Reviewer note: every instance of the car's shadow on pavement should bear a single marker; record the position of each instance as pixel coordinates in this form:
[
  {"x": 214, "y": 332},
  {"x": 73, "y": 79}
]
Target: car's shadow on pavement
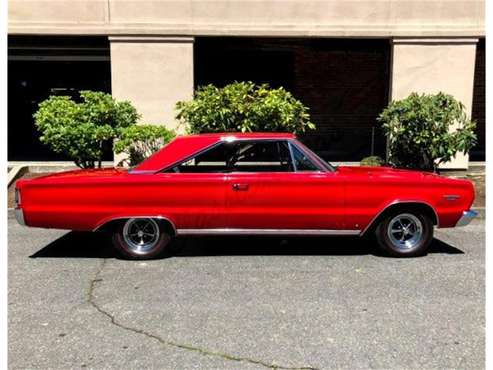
[{"x": 98, "y": 245}]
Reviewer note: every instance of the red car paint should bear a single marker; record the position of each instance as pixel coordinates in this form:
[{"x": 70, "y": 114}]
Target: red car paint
[{"x": 347, "y": 199}]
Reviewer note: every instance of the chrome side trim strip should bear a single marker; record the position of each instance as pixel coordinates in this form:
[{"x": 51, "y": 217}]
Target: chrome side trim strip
[
  {"x": 466, "y": 218},
  {"x": 128, "y": 217},
  {"x": 141, "y": 172},
  {"x": 19, "y": 216},
  {"x": 227, "y": 231},
  {"x": 400, "y": 202}
]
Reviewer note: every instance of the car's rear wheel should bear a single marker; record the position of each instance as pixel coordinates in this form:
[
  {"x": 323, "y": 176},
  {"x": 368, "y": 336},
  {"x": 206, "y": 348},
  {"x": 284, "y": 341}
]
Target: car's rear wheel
[
  {"x": 141, "y": 238},
  {"x": 405, "y": 233}
]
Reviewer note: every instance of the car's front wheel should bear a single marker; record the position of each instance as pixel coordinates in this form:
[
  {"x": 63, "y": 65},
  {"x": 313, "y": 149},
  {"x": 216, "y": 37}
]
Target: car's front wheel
[
  {"x": 405, "y": 233},
  {"x": 141, "y": 238}
]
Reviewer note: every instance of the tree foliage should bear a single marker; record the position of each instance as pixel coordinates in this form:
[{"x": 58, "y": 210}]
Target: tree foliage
[
  {"x": 81, "y": 129},
  {"x": 424, "y": 131},
  {"x": 139, "y": 142},
  {"x": 243, "y": 107},
  {"x": 373, "y": 161}
]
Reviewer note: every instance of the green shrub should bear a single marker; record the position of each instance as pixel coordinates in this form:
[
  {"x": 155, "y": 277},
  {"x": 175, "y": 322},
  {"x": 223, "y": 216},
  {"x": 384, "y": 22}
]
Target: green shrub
[
  {"x": 424, "y": 131},
  {"x": 243, "y": 107},
  {"x": 372, "y": 161},
  {"x": 140, "y": 142},
  {"x": 80, "y": 129}
]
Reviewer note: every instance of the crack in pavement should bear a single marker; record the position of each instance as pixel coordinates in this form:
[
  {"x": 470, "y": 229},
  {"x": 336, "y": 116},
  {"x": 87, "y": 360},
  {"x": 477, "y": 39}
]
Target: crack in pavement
[{"x": 91, "y": 300}]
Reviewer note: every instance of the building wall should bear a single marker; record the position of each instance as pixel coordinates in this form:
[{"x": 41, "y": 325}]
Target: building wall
[
  {"x": 153, "y": 73},
  {"x": 148, "y": 37},
  {"x": 336, "y": 18},
  {"x": 344, "y": 82}
]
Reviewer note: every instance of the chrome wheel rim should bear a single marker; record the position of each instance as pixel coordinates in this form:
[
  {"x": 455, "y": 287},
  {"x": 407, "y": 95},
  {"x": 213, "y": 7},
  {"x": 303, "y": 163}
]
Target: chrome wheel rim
[
  {"x": 405, "y": 231},
  {"x": 141, "y": 235}
]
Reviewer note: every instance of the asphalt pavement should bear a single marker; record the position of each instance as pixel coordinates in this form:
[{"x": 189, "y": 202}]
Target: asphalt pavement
[{"x": 245, "y": 303}]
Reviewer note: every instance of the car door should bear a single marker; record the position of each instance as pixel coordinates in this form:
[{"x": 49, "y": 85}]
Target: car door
[
  {"x": 274, "y": 185},
  {"x": 193, "y": 192},
  {"x": 193, "y": 200}
]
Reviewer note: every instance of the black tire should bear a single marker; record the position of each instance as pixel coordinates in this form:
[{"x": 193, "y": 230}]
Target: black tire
[
  {"x": 156, "y": 245},
  {"x": 390, "y": 239}
]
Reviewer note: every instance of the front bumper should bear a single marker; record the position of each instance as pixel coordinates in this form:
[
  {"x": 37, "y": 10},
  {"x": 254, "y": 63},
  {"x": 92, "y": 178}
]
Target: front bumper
[
  {"x": 19, "y": 216},
  {"x": 466, "y": 218}
]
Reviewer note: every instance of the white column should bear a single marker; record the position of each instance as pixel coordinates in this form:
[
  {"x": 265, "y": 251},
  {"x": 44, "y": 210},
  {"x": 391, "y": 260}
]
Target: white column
[
  {"x": 433, "y": 65},
  {"x": 153, "y": 73}
]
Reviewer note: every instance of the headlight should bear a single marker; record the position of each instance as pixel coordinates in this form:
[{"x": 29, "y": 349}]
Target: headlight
[{"x": 17, "y": 197}]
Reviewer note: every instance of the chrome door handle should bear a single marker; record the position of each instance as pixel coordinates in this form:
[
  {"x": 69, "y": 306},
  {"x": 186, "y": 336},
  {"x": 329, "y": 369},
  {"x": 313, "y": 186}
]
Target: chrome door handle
[{"x": 239, "y": 187}]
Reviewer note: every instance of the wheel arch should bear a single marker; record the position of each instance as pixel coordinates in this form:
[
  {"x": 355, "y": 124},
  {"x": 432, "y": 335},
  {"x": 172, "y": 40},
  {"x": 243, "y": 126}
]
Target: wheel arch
[
  {"x": 404, "y": 205},
  {"x": 110, "y": 224}
]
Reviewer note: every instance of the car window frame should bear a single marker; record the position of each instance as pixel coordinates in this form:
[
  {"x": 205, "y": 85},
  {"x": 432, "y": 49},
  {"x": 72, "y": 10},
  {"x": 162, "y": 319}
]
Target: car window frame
[
  {"x": 266, "y": 140},
  {"x": 289, "y": 142}
]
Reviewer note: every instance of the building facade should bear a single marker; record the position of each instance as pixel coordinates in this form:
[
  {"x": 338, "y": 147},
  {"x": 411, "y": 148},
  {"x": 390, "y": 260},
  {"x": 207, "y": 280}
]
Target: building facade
[{"x": 345, "y": 59}]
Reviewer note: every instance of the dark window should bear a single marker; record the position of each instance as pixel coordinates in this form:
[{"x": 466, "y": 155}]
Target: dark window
[
  {"x": 344, "y": 82},
  {"x": 243, "y": 156},
  {"x": 213, "y": 160},
  {"x": 479, "y": 102},
  {"x": 40, "y": 66}
]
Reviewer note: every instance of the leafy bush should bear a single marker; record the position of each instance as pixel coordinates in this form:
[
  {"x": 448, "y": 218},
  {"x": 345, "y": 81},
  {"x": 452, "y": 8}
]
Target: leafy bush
[
  {"x": 243, "y": 107},
  {"x": 140, "y": 142},
  {"x": 80, "y": 129},
  {"x": 426, "y": 130},
  {"x": 372, "y": 161}
]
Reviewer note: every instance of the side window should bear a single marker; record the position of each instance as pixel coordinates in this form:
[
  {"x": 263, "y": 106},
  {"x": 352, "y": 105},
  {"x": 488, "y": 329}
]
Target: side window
[
  {"x": 262, "y": 156},
  {"x": 301, "y": 161},
  {"x": 241, "y": 156},
  {"x": 215, "y": 160}
]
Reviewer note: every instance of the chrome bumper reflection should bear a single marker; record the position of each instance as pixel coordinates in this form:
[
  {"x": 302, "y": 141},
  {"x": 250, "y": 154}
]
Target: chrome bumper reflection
[
  {"x": 19, "y": 216},
  {"x": 466, "y": 218}
]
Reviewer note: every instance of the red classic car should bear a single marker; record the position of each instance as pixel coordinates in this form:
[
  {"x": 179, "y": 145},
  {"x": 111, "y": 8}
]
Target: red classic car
[{"x": 245, "y": 184}]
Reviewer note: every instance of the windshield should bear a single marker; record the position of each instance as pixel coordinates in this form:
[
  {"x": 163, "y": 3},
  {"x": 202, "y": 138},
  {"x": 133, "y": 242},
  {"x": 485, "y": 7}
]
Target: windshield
[{"x": 325, "y": 164}]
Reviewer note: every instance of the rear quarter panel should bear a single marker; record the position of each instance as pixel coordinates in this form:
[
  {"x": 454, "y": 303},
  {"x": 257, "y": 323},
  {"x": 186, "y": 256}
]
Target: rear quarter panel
[
  {"x": 86, "y": 203},
  {"x": 369, "y": 192}
]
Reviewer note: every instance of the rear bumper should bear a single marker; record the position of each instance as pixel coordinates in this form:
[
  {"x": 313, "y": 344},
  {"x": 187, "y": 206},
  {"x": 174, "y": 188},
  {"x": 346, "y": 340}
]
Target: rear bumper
[
  {"x": 19, "y": 216},
  {"x": 466, "y": 218}
]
